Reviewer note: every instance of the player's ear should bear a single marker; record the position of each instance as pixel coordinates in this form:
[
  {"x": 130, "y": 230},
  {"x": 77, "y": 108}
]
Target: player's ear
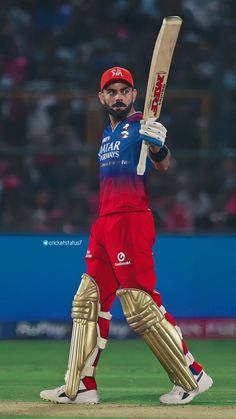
[
  {"x": 101, "y": 97},
  {"x": 134, "y": 94}
]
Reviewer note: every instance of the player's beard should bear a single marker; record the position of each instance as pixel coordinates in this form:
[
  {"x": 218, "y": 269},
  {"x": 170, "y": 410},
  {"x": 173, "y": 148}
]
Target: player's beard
[{"x": 119, "y": 114}]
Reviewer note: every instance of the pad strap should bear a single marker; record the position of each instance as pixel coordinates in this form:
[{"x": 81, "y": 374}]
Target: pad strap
[
  {"x": 101, "y": 343},
  {"x": 88, "y": 371},
  {"x": 105, "y": 315}
]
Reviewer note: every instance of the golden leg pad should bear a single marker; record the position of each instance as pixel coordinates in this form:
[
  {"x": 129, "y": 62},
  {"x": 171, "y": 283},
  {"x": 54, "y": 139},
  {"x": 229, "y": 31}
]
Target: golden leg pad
[
  {"x": 146, "y": 318},
  {"x": 85, "y": 310}
]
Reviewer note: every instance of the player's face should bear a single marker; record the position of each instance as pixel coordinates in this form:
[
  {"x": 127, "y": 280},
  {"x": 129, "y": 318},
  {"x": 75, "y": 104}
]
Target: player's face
[{"x": 118, "y": 98}]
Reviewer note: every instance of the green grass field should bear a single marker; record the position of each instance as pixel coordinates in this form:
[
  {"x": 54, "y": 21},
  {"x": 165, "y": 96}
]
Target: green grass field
[{"x": 129, "y": 377}]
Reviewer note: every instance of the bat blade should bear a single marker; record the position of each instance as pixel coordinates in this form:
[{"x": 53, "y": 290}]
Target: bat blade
[{"x": 158, "y": 74}]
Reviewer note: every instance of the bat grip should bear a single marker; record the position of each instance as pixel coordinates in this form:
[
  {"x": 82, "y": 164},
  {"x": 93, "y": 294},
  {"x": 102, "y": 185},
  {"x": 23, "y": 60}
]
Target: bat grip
[{"x": 142, "y": 159}]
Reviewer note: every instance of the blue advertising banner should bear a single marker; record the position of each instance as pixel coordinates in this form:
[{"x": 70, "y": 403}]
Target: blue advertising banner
[{"x": 40, "y": 274}]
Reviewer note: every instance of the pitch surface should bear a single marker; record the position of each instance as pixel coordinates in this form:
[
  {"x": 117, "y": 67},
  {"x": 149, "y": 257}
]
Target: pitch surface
[{"x": 129, "y": 377}]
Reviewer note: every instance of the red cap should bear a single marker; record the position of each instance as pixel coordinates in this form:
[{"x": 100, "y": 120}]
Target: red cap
[{"x": 116, "y": 74}]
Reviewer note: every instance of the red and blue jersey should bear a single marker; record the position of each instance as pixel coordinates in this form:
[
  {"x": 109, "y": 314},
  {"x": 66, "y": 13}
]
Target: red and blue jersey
[{"x": 121, "y": 189}]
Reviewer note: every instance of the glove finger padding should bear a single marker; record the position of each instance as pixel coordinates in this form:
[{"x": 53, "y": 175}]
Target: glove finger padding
[
  {"x": 146, "y": 130},
  {"x": 153, "y": 124},
  {"x": 152, "y": 132}
]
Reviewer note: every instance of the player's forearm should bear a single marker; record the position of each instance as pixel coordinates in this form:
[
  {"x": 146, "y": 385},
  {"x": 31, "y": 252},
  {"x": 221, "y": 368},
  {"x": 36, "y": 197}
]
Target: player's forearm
[
  {"x": 164, "y": 165},
  {"x": 160, "y": 157}
]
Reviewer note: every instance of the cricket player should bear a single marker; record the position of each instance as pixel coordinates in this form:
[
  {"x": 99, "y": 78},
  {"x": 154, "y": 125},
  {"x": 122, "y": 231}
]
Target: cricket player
[{"x": 120, "y": 260}]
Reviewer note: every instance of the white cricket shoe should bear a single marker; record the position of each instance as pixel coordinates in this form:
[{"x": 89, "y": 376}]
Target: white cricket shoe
[
  {"x": 179, "y": 396},
  {"x": 58, "y": 395}
]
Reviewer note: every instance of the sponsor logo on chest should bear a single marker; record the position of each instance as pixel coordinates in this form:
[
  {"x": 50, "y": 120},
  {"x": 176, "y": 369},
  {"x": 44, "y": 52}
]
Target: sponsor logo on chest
[{"x": 110, "y": 149}]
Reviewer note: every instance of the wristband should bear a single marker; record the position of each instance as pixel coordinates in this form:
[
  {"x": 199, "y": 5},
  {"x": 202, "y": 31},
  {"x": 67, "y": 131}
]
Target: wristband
[{"x": 161, "y": 155}]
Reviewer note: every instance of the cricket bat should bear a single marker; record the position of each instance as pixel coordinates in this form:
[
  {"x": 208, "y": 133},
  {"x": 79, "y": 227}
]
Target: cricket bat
[{"x": 158, "y": 74}]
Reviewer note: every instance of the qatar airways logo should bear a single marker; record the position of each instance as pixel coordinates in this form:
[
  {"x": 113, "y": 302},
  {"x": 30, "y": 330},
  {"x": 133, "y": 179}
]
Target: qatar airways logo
[
  {"x": 106, "y": 139},
  {"x": 158, "y": 92},
  {"x": 109, "y": 150}
]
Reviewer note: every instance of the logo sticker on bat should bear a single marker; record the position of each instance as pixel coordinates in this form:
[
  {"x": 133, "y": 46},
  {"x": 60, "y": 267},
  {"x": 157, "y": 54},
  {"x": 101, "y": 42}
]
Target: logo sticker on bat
[{"x": 158, "y": 92}]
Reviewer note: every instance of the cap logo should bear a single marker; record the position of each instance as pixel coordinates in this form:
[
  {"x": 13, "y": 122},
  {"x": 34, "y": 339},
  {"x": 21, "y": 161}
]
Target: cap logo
[{"x": 116, "y": 73}]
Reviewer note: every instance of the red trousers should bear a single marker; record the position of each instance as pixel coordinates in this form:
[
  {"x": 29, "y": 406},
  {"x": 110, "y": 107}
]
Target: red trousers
[{"x": 120, "y": 255}]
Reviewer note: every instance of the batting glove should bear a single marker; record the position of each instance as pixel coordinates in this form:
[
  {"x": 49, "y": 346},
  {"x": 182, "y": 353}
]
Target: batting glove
[{"x": 152, "y": 132}]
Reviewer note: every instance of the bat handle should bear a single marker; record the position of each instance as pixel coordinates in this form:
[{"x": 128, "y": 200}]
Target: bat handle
[{"x": 142, "y": 159}]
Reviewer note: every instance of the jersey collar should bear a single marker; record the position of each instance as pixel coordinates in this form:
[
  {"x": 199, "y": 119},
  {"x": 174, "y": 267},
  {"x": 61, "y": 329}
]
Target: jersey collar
[{"x": 136, "y": 116}]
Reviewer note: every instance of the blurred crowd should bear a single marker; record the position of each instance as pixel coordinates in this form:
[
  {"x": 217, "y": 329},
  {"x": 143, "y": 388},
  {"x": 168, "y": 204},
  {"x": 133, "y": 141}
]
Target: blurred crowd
[
  {"x": 56, "y": 194},
  {"x": 52, "y": 53},
  {"x": 47, "y": 43}
]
